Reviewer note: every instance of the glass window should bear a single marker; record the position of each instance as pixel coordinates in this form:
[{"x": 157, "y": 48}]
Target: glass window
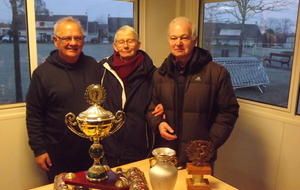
[
  {"x": 255, "y": 41},
  {"x": 100, "y": 20},
  {"x": 14, "y": 68}
]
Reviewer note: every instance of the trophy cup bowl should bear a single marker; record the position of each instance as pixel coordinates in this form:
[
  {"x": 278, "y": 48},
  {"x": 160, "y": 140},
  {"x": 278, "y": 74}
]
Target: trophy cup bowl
[{"x": 95, "y": 124}]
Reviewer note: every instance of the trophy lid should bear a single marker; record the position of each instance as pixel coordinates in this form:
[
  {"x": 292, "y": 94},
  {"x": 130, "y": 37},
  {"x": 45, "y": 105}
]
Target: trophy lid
[
  {"x": 95, "y": 112},
  {"x": 94, "y": 95}
]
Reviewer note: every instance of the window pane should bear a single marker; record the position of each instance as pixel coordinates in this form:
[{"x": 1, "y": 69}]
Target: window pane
[
  {"x": 255, "y": 45},
  {"x": 100, "y": 20},
  {"x": 14, "y": 69}
]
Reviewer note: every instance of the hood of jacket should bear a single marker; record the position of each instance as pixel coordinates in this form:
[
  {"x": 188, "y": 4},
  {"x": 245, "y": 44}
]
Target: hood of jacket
[
  {"x": 74, "y": 71},
  {"x": 200, "y": 58},
  {"x": 56, "y": 60}
]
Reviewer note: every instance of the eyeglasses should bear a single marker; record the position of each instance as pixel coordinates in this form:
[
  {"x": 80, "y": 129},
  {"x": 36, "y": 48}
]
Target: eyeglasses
[
  {"x": 129, "y": 42},
  {"x": 69, "y": 39}
]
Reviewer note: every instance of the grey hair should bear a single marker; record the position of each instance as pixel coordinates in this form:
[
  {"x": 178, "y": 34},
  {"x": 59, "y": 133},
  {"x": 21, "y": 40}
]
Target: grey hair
[
  {"x": 186, "y": 20},
  {"x": 67, "y": 19},
  {"x": 127, "y": 29}
]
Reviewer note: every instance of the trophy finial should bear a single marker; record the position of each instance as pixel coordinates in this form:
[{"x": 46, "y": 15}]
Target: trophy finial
[
  {"x": 95, "y": 94},
  {"x": 200, "y": 151}
]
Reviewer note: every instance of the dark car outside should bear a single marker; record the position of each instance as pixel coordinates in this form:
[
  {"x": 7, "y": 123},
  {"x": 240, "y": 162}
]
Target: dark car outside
[{"x": 95, "y": 40}]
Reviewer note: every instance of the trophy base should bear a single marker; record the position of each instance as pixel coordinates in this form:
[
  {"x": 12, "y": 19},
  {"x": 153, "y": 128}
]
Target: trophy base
[
  {"x": 198, "y": 182},
  {"x": 191, "y": 186},
  {"x": 108, "y": 184}
]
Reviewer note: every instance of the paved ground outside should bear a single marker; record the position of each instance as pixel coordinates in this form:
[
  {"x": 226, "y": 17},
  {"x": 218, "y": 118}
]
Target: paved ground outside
[{"x": 274, "y": 93}]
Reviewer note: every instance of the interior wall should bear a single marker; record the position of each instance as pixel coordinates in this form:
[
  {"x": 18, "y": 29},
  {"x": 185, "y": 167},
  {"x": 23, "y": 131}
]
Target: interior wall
[
  {"x": 155, "y": 16},
  {"x": 18, "y": 168},
  {"x": 262, "y": 152},
  {"x": 154, "y": 21}
]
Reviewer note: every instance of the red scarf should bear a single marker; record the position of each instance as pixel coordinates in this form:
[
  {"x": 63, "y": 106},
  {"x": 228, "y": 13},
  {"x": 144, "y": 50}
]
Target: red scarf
[{"x": 124, "y": 69}]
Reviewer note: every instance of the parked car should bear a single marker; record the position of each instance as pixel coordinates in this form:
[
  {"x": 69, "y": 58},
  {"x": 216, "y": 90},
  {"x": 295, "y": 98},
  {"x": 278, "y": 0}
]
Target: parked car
[
  {"x": 22, "y": 39},
  {"x": 248, "y": 45},
  {"x": 95, "y": 40},
  {"x": 5, "y": 39},
  {"x": 105, "y": 41}
]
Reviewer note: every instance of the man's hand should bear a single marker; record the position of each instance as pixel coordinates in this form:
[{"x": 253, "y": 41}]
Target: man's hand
[
  {"x": 166, "y": 131},
  {"x": 159, "y": 110},
  {"x": 43, "y": 161}
]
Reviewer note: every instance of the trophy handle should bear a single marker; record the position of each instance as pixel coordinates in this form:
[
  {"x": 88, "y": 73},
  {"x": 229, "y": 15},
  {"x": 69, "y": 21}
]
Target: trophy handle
[
  {"x": 119, "y": 119},
  {"x": 174, "y": 161},
  {"x": 152, "y": 161},
  {"x": 70, "y": 120}
]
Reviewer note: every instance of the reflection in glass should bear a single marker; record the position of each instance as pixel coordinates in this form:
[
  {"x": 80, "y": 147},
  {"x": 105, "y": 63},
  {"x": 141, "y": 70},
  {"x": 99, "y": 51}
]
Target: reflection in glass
[
  {"x": 14, "y": 68},
  {"x": 100, "y": 20},
  {"x": 236, "y": 35}
]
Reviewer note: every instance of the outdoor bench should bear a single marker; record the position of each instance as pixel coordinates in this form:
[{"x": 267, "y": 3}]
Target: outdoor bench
[{"x": 278, "y": 57}]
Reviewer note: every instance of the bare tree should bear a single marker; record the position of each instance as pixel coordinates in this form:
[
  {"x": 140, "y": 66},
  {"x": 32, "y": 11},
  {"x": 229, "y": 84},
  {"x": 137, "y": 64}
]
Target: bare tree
[
  {"x": 212, "y": 12},
  {"x": 272, "y": 23},
  {"x": 17, "y": 67},
  {"x": 286, "y": 24},
  {"x": 39, "y": 6},
  {"x": 18, "y": 8},
  {"x": 279, "y": 25},
  {"x": 280, "y": 28},
  {"x": 269, "y": 37},
  {"x": 243, "y": 10},
  {"x": 212, "y": 15}
]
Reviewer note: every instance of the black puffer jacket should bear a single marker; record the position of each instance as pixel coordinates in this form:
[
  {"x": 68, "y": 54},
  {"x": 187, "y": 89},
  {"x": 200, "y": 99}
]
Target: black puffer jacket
[
  {"x": 209, "y": 107},
  {"x": 133, "y": 141}
]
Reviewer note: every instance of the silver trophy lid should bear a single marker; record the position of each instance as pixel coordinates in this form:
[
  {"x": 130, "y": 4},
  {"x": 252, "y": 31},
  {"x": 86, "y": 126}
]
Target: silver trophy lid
[{"x": 95, "y": 95}]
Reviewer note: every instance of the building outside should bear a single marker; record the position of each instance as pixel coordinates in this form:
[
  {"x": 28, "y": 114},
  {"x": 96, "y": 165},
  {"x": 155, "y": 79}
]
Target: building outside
[
  {"x": 93, "y": 30},
  {"x": 229, "y": 34}
]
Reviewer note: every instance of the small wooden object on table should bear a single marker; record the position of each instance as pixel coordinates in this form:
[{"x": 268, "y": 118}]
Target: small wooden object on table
[
  {"x": 199, "y": 152},
  {"x": 198, "y": 182}
]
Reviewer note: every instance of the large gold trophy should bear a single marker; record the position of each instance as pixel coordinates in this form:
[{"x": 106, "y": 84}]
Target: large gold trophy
[{"x": 95, "y": 123}]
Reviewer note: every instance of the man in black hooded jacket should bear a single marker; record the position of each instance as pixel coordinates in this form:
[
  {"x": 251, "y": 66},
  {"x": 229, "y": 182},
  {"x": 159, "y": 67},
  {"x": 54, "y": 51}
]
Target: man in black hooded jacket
[{"x": 57, "y": 87}]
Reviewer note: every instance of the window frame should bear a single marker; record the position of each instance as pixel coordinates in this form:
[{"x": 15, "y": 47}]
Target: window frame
[
  {"x": 288, "y": 113},
  {"x": 32, "y": 44}
]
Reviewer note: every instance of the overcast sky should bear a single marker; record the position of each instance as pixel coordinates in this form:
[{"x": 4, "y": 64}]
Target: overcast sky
[
  {"x": 94, "y": 8},
  {"x": 98, "y": 10}
]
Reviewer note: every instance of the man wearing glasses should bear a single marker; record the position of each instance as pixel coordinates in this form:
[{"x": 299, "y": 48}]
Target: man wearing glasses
[
  {"x": 127, "y": 79},
  {"x": 57, "y": 87}
]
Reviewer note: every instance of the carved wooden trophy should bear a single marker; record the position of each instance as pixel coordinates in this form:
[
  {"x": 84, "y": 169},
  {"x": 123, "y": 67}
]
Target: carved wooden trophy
[{"x": 199, "y": 152}]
